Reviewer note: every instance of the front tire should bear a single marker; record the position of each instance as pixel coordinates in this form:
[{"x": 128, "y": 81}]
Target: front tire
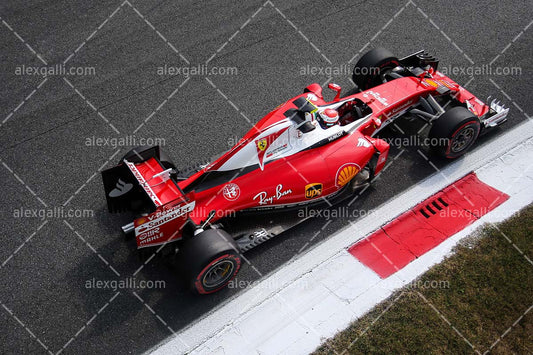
[
  {"x": 454, "y": 132},
  {"x": 371, "y": 69},
  {"x": 209, "y": 260}
]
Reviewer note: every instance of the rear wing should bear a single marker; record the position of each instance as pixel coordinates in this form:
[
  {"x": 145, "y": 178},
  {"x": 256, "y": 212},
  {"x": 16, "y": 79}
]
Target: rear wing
[
  {"x": 123, "y": 191},
  {"x": 140, "y": 183}
]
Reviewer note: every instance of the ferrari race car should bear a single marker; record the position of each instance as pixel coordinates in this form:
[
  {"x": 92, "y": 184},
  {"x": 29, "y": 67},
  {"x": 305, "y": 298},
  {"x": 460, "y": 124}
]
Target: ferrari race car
[{"x": 306, "y": 153}]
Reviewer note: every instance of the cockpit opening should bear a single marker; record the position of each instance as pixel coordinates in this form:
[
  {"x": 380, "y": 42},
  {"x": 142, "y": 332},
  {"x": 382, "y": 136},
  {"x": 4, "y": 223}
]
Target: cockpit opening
[{"x": 352, "y": 111}]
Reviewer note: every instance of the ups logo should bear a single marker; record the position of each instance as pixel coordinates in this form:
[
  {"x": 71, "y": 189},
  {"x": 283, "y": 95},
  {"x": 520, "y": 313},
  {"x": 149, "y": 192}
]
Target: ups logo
[{"x": 313, "y": 190}]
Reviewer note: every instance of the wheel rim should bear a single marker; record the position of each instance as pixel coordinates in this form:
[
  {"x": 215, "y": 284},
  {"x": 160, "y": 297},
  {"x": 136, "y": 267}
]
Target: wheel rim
[
  {"x": 218, "y": 273},
  {"x": 463, "y": 139},
  {"x": 382, "y": 77}
]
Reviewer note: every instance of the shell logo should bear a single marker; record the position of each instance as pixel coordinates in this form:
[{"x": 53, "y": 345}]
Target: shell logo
[
  {"x": 140, "y": 221},
  {"x": 346, "y": 173}
]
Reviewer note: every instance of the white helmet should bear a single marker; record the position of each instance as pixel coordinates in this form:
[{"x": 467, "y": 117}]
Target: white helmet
[{"x": 330, "y": 117}]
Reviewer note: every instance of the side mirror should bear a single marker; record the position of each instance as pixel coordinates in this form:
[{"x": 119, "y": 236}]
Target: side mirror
[
  {"x": 314, "y": 89},
  {"x": 337, "y": 88},
  {"x": 377, "y": 121}
]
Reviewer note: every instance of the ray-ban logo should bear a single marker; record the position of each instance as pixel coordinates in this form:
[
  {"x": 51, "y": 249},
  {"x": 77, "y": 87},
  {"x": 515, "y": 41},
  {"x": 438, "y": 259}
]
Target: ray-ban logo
[{"x": 120, "y": 189}]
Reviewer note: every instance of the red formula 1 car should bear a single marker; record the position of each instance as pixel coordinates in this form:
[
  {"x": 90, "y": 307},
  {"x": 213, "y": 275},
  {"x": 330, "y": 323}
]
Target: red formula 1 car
[{"x": 305, "y": 153}]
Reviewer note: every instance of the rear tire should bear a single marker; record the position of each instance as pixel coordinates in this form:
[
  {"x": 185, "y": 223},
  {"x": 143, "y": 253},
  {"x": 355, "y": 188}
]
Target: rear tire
[
  {"x": 371, "y": 68},
  {"x": 209, "y": 260},
  {"x": 454, "y": 132}
]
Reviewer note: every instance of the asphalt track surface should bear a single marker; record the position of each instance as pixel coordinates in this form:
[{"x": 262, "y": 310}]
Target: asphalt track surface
[{"x": 47, "y": 161}]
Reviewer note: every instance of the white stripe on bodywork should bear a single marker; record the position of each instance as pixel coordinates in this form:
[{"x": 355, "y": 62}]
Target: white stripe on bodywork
[{"x": 247, "y": 155}]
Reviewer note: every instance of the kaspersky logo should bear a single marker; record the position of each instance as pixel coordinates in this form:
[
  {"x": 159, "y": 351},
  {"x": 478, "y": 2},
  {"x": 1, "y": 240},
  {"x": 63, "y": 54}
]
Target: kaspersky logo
[
  {"x": 120, "y": 189},
  {"x": 361, "y": 142}
]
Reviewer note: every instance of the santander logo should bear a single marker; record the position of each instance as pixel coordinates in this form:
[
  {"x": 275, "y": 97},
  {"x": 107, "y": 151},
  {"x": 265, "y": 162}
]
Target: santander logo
[{"x": 120, "y": 189}]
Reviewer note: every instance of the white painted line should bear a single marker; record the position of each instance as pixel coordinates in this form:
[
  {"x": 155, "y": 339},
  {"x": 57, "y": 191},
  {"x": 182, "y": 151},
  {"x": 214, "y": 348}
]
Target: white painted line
[{"x": 309, "y": 299}]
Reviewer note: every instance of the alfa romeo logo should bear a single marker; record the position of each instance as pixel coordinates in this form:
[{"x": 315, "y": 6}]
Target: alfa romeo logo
[{"x": 231, "y": 192}]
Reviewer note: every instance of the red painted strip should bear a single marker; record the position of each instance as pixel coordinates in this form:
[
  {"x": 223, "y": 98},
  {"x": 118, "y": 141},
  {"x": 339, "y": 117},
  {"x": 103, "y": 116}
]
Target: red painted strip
[
  {"x": 473, "y": 195},
  {"x": 382, "y": 254},
  {"x": 413, "y": 233},
  {"x": 442, "y": 214},
  {"x": 428, "y": 224}
]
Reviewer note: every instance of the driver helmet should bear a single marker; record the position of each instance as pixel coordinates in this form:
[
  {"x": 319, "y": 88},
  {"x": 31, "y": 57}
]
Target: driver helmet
[{"x": 330, "y": 117}]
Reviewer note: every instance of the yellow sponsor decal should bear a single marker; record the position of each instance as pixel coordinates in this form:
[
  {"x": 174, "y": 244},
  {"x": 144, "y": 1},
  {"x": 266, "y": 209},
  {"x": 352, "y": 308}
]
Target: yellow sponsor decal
[
  {"x": 262, "y": 144},
  {"x": 346, "y": 173},
  {"x": 313, "y": 190},
  {"x": 432, "y": 83}
]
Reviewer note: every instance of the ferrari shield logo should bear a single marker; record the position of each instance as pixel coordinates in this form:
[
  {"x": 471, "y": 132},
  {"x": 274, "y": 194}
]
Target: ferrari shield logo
[{"x": 262, "y": 144}]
